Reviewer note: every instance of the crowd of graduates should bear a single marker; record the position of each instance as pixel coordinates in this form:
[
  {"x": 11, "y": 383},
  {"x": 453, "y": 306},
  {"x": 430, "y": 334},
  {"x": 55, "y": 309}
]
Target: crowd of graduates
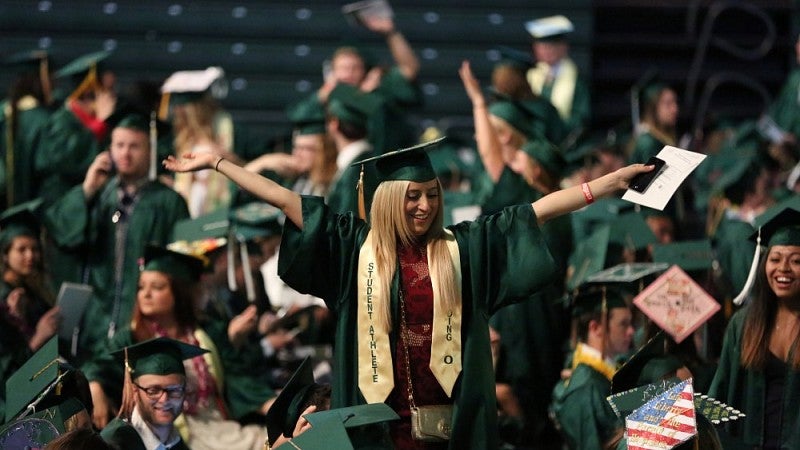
[{"x": 191, "y": 256}]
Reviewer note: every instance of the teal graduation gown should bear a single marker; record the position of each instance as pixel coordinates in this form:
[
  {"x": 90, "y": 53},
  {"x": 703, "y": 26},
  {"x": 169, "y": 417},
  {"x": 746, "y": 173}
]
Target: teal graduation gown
[
  {"x": 31, "y": 122},
  {"x": 504, "y": 259},
  {"x": 84, "y": 232},
  {"x": 744, "y": 390}
]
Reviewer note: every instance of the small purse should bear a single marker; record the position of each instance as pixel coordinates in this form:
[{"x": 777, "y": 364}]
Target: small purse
[{"x": 431, "y": 423}]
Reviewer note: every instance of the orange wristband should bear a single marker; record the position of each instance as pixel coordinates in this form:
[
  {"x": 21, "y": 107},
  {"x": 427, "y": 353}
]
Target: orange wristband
[{"x": 587, "y": 193}]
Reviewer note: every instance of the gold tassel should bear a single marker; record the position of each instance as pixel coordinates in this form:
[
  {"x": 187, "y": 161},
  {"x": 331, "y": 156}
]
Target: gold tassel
[
  {"x": 163, "y": 107},
  {"x": 90, "y": 82},
  {"x": 362, "y": 209},
  {"x": 128, "y": 399}
]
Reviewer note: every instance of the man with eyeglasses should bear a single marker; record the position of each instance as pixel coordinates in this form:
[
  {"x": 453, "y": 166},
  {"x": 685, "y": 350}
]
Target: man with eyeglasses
[{"x": 154, "y": 390}]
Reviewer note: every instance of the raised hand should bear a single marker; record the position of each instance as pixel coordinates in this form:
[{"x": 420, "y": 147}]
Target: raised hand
[{"x": 189, "y": 162}]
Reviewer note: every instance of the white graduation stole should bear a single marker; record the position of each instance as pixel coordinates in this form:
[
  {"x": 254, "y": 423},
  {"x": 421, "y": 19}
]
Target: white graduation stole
[
  {"x": 375, "y": 371},
  {"x": 563, "y": 86}
]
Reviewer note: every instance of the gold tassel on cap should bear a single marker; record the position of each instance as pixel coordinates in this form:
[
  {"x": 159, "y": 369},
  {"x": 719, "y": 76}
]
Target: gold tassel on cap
[{"x": 362, "y": 208}]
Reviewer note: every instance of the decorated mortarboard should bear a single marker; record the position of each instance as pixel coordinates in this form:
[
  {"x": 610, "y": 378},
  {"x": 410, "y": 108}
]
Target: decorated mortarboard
[
  {"x": 187, "y": 86},
  {"x": 689, "y": 255},
  {"x": 19, "y": 220},
  {"x": 406, "y": 164},
  {"x": 329, "y": 428},
  {"x": 28, "y": 433},
  {"x": 285, "y": 410},
  {"x": 357, "y": 12},
  {"x": 550, "y": 28},
  {"x": 35, "y": 380},
  {"x": 348, "y": 104},
  {"x": 307, "y": 118},
  {"x": 179, "y": 265},
  {"x": 676, "y": 303},
  {"x": 663, "y": 395},
  {"x": 158, "y": 356},
  {"x": 665, "y": 421},
  {"x": 779, "y": 225},
  {"x": 201, "y": 235},
  {"x": 546, "y": 155}
]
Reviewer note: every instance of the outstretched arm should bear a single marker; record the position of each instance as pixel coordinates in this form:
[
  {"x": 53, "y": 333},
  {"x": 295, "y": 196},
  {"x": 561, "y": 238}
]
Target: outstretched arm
[
  {"x": 489, "y": 146},
  {"x": 403, "y": 54},
  {"x": 266, "y": 189},
  {"x": 575, "y": 197}
]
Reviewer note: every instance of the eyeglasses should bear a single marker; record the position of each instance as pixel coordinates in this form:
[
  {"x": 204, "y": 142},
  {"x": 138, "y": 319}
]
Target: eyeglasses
[{"x": 155, "y": 392}]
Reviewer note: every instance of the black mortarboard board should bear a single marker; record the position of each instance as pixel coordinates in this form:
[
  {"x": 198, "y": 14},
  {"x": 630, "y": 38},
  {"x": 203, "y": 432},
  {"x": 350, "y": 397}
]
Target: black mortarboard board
[
  {"x": 648, "y": 365},
  {"x": 158, "y": 356},
  {"x": 348, "y": 104},
  {"x": 280, "y": 414},
  {"x": 550, "y": 28},
  {"x": 688, "y": 255},
  {"x": 19, "y": 220},
  {"x": 40, "y": 373},
  {"x": 180, "y": 265},
  {"x": 408, "y": 164},
  {"x": 329, "y": 428}
]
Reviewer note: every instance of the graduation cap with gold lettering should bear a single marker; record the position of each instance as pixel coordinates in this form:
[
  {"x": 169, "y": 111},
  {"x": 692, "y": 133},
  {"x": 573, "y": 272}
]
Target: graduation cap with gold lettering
[{"x": 84, "y": 70}]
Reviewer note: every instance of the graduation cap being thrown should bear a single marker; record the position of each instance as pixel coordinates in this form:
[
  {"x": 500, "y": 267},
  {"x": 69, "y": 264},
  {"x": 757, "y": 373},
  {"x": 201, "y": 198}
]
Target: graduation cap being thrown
[{"x": 289, "y": 404}]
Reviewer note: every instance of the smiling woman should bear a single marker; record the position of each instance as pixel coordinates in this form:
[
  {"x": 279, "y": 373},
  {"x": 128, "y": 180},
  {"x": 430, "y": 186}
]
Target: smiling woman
[
  {"x": 759, "y": 369},
  {"x": 402, "y": 278}
]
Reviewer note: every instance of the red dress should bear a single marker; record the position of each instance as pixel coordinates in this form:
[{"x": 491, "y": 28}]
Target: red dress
[{"x": 418, "y": 295}]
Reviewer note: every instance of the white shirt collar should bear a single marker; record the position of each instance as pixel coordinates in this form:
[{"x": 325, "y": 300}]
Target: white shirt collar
[
  {"x": 591, "y": 351},
  {"x": 350, "y": 152},
  {"x": 150, "y": 440}
]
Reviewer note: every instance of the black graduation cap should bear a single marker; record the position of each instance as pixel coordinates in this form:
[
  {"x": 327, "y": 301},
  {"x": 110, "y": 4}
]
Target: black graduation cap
[
  {"x": 284, "y": 412},
  {"x": 650, "y": 364}
]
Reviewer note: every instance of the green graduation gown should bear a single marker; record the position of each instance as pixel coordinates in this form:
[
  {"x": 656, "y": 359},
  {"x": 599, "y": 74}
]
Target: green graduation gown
[
  {"x": 581, "y": 410},
  {"x": 66, "y": 150},
  {"x": 83, "y": 231},
  {"x": 785, "y": 110},
  {"x": 31, "y": 121},
  {"x": 734, "y": 250},
  {"x": 343, "y": 196},
  {"x": 504, "y": 259},
  {"x": 744, "y": 390},
  {"x": 122, "y": 434}
]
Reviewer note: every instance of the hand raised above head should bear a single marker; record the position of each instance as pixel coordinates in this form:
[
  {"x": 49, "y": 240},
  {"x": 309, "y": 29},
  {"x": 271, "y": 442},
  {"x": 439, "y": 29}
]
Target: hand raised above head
[{"x": 189, "y": 162}]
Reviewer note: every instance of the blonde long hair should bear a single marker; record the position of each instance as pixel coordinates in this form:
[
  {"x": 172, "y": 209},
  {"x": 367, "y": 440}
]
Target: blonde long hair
[{"x": 390, "y": 230}]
